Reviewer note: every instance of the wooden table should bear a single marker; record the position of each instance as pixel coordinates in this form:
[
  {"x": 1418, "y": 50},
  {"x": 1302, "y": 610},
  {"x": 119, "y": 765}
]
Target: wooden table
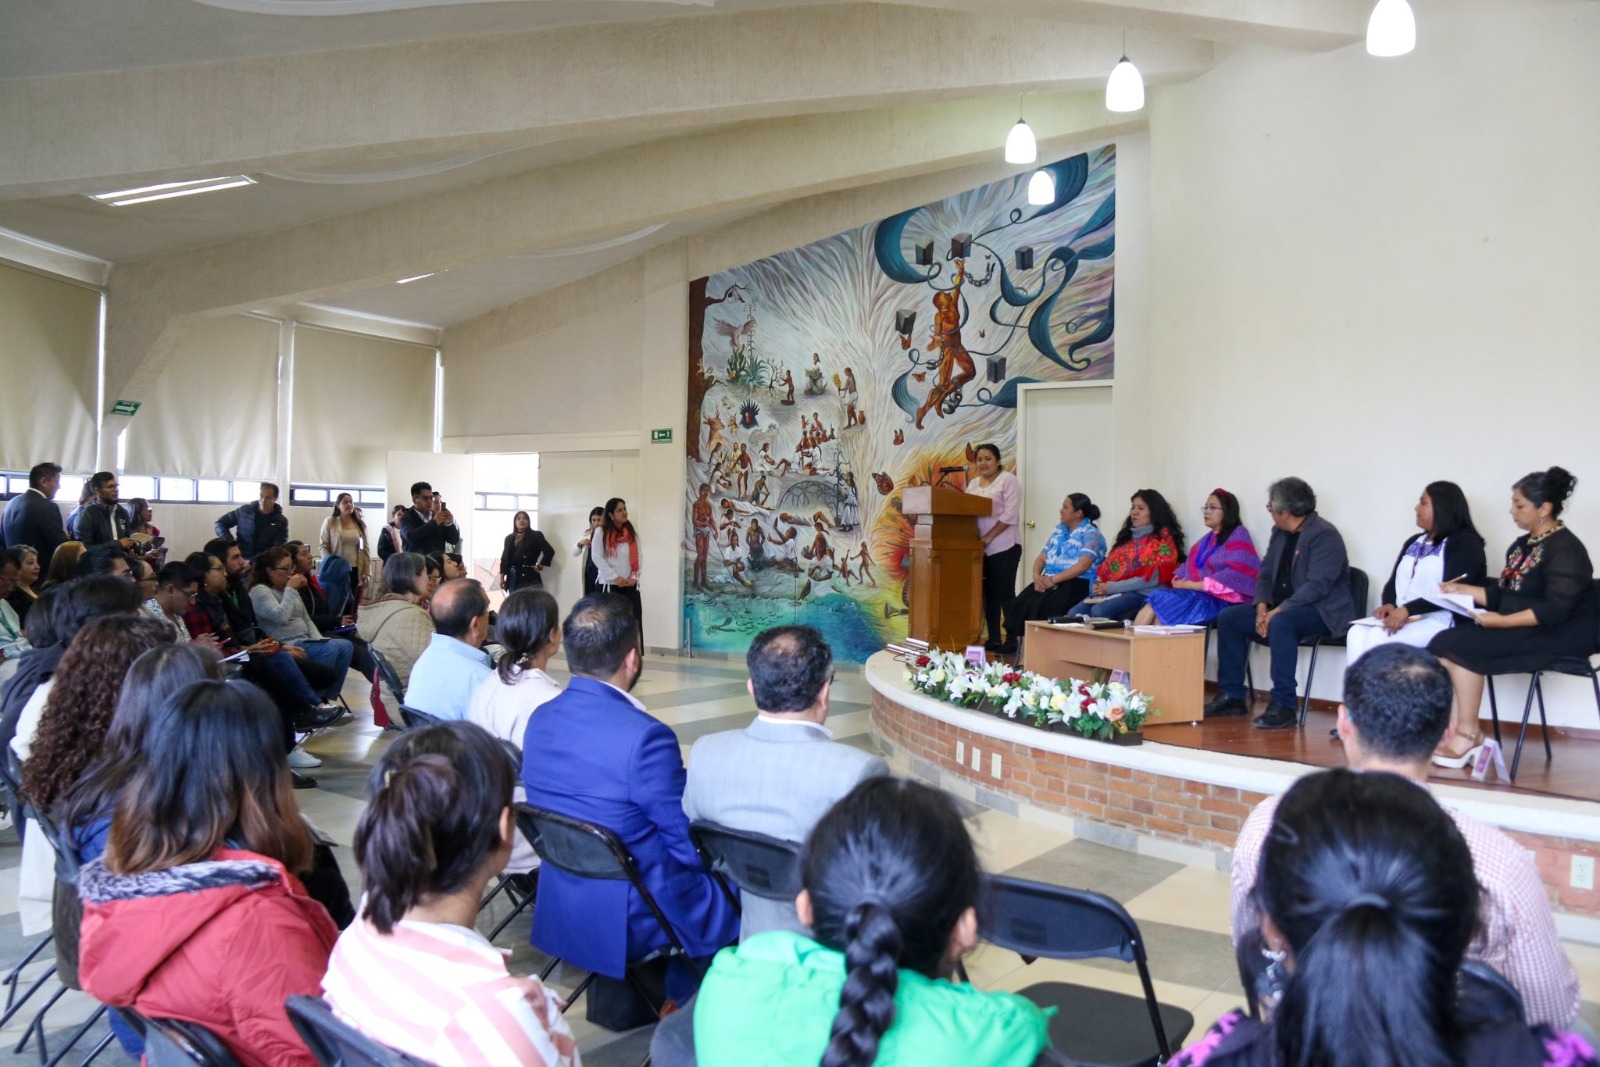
[{"x": 1169, "y": 668}]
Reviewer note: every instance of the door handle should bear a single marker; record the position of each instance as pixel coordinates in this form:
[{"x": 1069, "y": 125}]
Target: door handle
[{"x": 1030, "y": 524}]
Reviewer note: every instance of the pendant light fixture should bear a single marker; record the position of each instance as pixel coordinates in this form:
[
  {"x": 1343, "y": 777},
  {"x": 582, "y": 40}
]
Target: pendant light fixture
[
  {"x": 1041, "y": 187},
  {"x": 1021, "y": 145},
  {"x": 1392, "y": 29},
  {"x": 1125, "y": 88}
]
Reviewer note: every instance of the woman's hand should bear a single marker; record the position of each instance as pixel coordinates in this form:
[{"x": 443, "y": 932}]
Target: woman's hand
[
  {"x": 297, "y": 582},
  {"x": 1098, "y": 589},
  {"x": 1184, "y": 583},
  {"x": 1492, "y": 620},
  {"x": 502, "y": 581},
  {"x": 1393, "y": 618}
]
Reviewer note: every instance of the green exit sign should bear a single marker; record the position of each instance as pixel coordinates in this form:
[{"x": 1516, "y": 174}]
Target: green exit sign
[
  {"x": 657, "y": 437},
  {"x": 125, "y": 407}
]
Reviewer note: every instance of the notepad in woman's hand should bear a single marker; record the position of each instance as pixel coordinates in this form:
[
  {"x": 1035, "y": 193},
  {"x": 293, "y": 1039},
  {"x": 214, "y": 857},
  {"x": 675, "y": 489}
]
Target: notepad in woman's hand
[{"x": 1456, "y": 603}]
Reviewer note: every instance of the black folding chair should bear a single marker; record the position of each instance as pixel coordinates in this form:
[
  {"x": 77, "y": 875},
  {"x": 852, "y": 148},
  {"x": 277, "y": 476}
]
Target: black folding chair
[
  {"x": 1358, "y": 593},
  {"x": 767, "y": 867},
  {"x": 11, "y": 777},
  {"x": 1580, "y": 668},
  {"x": 177, "y": 1043},
  {"x": 338, "y": 1044},
  {"x": 520, "y": 899},
  {"x": 585, "y": 850},
  {"x": 416, "y": 720},
  {"x": 1091, "y": 1024},
  {"x": 390, "y": 676}
]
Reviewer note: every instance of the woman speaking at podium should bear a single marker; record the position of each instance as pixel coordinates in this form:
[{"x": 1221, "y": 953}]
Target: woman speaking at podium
[{"x": 1002, "y": 551}]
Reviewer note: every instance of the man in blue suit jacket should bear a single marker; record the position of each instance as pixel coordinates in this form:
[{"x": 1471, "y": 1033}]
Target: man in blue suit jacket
[{"x": 594, "y": 753}]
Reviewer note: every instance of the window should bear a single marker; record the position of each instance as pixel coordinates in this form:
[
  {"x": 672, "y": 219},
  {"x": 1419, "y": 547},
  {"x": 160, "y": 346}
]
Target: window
[
  {"x": 176, "y": 490},
  {"x": 157, "y": 490},
  {"x": 318, "y": 495},
  {"x": 213, "y": 491},
  {"x": 137, "y": 485}
]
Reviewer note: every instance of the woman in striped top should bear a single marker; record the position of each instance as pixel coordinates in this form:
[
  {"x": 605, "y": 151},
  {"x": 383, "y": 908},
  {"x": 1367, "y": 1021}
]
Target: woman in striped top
[{"x": 414, "y": 973}]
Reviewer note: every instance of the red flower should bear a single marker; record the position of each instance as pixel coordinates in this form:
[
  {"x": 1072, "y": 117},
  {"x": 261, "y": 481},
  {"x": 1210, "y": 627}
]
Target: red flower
[
  {"x": 923, "y": 661},
  {"x": 1011, "y": 677},
  {"x": 1083, "y": 690}
]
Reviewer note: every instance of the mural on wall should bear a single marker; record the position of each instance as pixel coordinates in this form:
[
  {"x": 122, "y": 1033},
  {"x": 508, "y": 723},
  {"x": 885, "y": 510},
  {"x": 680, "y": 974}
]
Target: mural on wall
[{"x": 824, "y": 380}]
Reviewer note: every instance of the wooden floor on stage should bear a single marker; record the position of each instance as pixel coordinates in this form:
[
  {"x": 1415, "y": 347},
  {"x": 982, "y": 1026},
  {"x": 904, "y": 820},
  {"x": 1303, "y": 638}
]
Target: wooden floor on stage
[{"x": 1573, "y": 772}]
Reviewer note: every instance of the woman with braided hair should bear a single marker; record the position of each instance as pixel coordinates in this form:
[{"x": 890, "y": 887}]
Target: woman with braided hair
[
  {"x": 890, "y": 888},
  {"x": 1368, "y": 903}
]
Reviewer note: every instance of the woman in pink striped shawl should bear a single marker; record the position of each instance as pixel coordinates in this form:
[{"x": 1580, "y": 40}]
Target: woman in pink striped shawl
[{"x": 1221, "y": 570}]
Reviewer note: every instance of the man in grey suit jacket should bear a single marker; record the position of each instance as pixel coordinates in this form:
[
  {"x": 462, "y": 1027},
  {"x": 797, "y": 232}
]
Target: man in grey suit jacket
[
  {"x": 1303, "y": 590},
  {"x": 780, "y": 774}
]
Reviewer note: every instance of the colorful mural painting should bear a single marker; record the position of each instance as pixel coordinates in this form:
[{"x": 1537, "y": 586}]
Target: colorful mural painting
[{"x": 825, "y": 379}]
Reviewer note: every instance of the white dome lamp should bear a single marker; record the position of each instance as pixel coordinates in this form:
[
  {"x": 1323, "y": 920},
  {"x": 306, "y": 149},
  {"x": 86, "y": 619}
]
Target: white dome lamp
[
  {"x": 1021, "y": 145},
  {"x": 1041, "y": 188},
  {"x": 1392, "y": 29},
  {"x": 1125, "y": 87}
]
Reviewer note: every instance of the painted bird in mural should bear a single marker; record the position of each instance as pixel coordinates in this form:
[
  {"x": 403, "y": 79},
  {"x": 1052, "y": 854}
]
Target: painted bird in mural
[{"x": 735, "y": 334}]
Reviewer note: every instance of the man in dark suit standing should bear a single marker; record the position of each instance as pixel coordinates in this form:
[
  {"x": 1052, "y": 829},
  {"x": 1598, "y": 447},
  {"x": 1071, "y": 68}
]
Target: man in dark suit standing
[
  {"x": 103, "y": 524},
  {"x": 32, "y": 518},
  {"x": 428, "y": 526},
  {"x": 594, "y": 753}
]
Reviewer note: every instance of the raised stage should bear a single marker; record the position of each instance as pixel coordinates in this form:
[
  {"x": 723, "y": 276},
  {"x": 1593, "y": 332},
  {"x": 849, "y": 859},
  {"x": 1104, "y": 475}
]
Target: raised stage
[{"x": 1185, "y": 792}]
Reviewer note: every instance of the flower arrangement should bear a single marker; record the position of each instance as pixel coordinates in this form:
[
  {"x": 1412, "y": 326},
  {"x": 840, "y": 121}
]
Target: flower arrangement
[{"x": 1097, "y": 710}]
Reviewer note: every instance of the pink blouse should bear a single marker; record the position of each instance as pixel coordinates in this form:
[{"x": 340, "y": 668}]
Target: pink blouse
[{"x": 1005, "y": 496}]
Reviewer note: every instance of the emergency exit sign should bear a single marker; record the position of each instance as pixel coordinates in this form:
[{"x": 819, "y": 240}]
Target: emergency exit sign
[
  {"x": 660, "y": 437},
  {"x": 125, "y": 407}
]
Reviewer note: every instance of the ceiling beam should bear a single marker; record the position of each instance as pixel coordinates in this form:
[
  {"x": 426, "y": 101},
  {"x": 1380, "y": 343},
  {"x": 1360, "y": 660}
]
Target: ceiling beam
[{"x": 88, "y": 132}]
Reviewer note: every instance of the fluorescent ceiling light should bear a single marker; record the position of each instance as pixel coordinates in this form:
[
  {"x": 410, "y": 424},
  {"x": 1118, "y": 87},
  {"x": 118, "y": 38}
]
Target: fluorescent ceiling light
[
  {"x": 167, "y": 190},
  {"x": 415, "y": 278}
]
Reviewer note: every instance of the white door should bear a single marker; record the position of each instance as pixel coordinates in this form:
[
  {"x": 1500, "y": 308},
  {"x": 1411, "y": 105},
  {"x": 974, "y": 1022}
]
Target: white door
[
  {"x": 1065, "y": 445},
  {"x": 451, "y": 477}
]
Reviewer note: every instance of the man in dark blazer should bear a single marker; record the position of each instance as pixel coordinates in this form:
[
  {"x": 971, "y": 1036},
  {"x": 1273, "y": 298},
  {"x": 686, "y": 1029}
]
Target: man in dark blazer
[
  {"x": 594, "y": 753},
  {"x": 261, "y": 524},
  {"x": 782, "y": 773},
  {"x": 428, "y": 527},
  {"x": 32, "y": 518},
  {"x": 1303, "y": 590},
  {"x": 102, "y": 524}
]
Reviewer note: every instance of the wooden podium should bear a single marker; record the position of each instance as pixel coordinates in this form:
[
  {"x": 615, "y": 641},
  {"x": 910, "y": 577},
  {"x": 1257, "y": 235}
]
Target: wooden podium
[{"x": 946, "y": 565}]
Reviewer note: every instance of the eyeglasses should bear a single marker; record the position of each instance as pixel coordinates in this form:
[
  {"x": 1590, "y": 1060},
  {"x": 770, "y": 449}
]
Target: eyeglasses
[
  {"x": 282, "y": 567},
  {"x": 188, "y": 594},
  {"x": 1212, "y": 507}
]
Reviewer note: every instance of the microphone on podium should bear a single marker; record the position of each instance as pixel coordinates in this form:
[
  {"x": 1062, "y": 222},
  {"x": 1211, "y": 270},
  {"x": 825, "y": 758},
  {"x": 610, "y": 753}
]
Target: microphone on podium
[{"x": 946, "y": 472}]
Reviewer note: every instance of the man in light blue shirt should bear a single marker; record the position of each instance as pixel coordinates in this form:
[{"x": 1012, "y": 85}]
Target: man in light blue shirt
[{"x": 450, "y": 668}]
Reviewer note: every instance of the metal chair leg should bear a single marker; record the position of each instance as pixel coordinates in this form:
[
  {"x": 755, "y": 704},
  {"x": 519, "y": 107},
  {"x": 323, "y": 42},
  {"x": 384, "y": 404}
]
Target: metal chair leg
[
  {"x": 99, "y": 1048},
  {"x": 1494, "y": 710},
  {"x": 1527, "y": 711},
  {"x": 1538, "y": 688},
  {"x": 36, "y": 1024},
  {"x": 1311, "y": 672},
  {"x": 14, "y": 977},
  {"x": 76, "y": 1036}
]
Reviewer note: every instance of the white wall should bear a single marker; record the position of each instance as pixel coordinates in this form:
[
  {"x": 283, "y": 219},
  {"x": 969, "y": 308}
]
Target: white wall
[{"x": 1375, "y": 273}]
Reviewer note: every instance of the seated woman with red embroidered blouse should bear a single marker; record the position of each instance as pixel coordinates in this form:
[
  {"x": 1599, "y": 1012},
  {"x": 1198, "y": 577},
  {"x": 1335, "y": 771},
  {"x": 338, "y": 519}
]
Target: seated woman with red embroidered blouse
[{"x": 1145, "y": 556}]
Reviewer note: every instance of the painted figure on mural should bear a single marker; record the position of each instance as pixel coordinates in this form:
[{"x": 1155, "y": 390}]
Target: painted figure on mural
[
  {"x": 788, "y": 389},
  {"x": 778, "y": 466},
  {"x": 742, "y": 459},
  {"x": 814, "y": 383},
  {"x": 850, "y": 398},
  {"x": 703, "y": 519},
  {"x": 955, "y": 365},
  {"x": 760, "y": 494}
]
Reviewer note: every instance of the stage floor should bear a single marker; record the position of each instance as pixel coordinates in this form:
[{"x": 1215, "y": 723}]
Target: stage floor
[{"x": 1573, "y": 772}]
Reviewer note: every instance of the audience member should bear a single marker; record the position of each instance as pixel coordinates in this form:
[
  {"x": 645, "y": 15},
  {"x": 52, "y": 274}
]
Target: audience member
[
  {"x": 1000, "y": 532},
  {"x": 438, "y": 826},
  {"x": 275, "y": 596},
  {"x": 13, "y": 643},
  {"x": 111, "y": 564},
  {"x": 32, "y": 517},
  {"x": 344, "y": 534},
  {"x": 435, "y": 568},
  {"x": 1449, "y": 545},
  {"x": 780, "y": 774},
  {"x": 63, "y": 610},
  {"x": 85, "y": 498},
  {"x": 525, "y": 555},
  {"x": 1397, "y": 705},
  {"x": 614, "y": 549},
  {"x": 591, "y": 576},
  {"x": 1222, "y": 569},
  {"x": 140, "y": 516},
  {"x": 1542, "y": 608},
  {"x": 427, "y": 526},
  {"x": 25, "y": 590},
  {"x": 329, "y": 622},
  {"x": 390, "y": 540},
  {"x": 1369, "y": 899},
  {"x": 454, "y": 663},
  {"x": 83, "y": 812},
  {"x": 1303, "y": 591},
  {"x": 63, "y": 564},
  {"x": 177, "y": 588},
  {"x": 1075, "y": 547},
  {"x": 595, "y": 753},
  {"x": 258, "y": 525},
  {"x": 1144, "y": 556},
  {"x": 890, "y": 884},
  {"x": 395, "y": 625},
  {"x": 450, "y": 566},
  {"x": 144, "y": 576},
  {"x": 67, "y": 734},
  {"x": 102, "y": 522},
  {"x": 192, "y": 912}
]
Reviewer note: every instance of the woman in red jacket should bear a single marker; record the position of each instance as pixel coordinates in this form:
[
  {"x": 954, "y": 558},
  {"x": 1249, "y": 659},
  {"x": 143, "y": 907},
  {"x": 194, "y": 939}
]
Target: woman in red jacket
[
  {"x": 192, "y": 912},
  {"x": 1144, "y": 556}
]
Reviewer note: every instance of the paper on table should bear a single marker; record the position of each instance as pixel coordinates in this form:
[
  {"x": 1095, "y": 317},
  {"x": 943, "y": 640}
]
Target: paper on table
[{"x": 1165, "y": 630}]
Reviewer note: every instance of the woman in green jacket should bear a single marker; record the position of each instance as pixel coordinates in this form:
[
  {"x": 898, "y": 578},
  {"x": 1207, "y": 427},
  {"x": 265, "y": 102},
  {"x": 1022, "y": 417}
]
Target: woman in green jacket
[{"x": 890, "y": 888}]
